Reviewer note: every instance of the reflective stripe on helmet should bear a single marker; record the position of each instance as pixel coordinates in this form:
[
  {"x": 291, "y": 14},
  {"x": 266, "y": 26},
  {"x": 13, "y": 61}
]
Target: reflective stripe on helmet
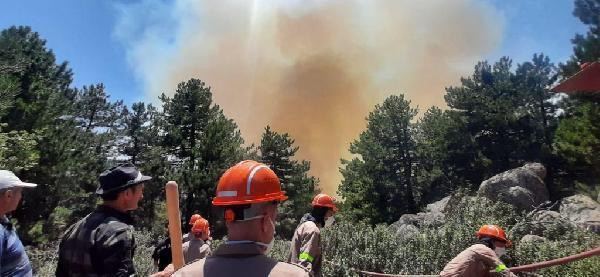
[
  {"x": 249, "y": 181},
  {"x": 496, "y": 229},
  {"x": 227, "y": 193},
  {"x": 319, "y": 198},
  {"x": 500, "y": 268},
  {"x": 304, "y": 256}
]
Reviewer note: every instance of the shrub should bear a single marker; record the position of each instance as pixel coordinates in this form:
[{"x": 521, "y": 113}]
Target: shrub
[
  {"x": 351, "y": 246},
  {"x": 44, "y": 258}
]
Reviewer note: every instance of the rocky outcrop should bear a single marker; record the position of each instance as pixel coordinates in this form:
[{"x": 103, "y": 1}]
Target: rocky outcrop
[
  {"x": 540, "y": 222},
  {"x": 537, "y": 168},
  {"x": 406, "y": 231},
  {"x": 521, "y": 187},
  {"x": 532, "y": 239},
  {"x": 581, "y": 210},
  {"x": 409, "y": 224}
]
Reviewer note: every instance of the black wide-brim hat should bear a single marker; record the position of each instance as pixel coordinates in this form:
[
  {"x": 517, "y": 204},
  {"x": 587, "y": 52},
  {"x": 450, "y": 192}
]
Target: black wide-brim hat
[{"x": 119, "y": 178}]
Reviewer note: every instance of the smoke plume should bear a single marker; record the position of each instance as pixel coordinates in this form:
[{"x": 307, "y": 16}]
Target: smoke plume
[{"x": 313, "y": 69}]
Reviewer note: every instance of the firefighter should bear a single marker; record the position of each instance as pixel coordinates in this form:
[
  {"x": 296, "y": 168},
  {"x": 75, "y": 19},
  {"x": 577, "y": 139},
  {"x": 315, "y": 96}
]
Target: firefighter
[
  {"x": 198, "y": 246},
  {"x": 193, "y": 219},
  {"x": 248, "y": 193},
  {"x": 306, "y": 243},
  {"x": 483, "y": 258}
]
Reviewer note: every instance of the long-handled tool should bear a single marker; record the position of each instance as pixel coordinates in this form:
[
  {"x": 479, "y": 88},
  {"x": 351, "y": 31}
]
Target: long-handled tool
[
  {"x": 174, "y": 217},
  {"x": 560, "y": 261}
]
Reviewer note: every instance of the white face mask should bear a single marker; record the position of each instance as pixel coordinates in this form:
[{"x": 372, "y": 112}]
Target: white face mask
[
  {"x": 500, "y": 251},
  {"x": 269, "y": 245},
  {"x": 329, "y": 221}
]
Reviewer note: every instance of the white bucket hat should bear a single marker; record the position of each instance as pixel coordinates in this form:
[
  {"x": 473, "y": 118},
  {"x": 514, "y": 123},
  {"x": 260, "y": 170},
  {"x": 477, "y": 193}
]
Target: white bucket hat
[{"x": 10, "y": 180}]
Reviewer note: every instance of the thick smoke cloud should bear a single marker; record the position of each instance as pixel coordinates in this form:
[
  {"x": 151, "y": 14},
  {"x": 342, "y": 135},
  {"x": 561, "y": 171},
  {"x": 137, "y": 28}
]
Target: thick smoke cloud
[{"x": 313, "y": 69}]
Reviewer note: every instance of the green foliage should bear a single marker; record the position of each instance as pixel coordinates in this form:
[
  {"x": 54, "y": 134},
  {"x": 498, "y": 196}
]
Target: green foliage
[
  {"x": 25, "y": 59},
  {"x": 577, "y": 139},
  {"x": 278, "y": 150},
  {"x": 18, "y": 150},
  {"x": 577, "y": 142},
  {"x": 535, "y": 252},
  {"x": 203, "y": 141},
  {"x": 434, "y": 174},
  {"x": 45, "y": 257},
  {"x": 379, "y": 249},
  {"x": 74, "y": 150},
  {"x": 586, "y": 48},
  {"x": 138, "y": 141},
  {"x": 144, "y": 265},
  {"x": 351, "y": 246},
  {"x": 503, "y": 118},
  {"x": 40, "y": 138},
  {"x": 63, "y": 137},
  {"x": 379, "y": 183}
]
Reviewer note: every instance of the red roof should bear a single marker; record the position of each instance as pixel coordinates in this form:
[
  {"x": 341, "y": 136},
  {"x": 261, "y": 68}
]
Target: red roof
[{"x": 587, "y": 80}]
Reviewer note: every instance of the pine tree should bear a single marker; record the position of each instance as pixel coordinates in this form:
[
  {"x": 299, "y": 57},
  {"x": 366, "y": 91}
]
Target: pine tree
[
  {"x": 502, "y": 118},
  {"x": 379, "y": 184},
  {"x": 278, "y": 151},
  {"x": 586, "y": 48},
  {"x": 434, "y": 170},
  {"x": 203, "y": 142}
]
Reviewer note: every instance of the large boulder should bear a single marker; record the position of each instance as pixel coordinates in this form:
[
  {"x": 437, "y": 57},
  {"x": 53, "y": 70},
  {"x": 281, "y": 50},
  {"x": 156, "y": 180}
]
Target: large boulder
[
  {"x": 532, "y": 239},
  {"x": 540, "y": 222},
  {"x": 406, "y": 226},
  {"x": 407, "y": 231},
  {"x": 537, "y": 168},
  {"x": 522, "y": 187},
  {"x": 409, "y": 219},
  {"x": 581, "y": 210},
  {"x": 438, "y": 206},
  {"x": 409, "y": 224}
]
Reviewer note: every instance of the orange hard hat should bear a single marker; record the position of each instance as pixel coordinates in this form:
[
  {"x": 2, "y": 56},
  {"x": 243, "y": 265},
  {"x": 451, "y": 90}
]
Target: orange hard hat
[
  {"x": 200, "y": 226},
  {"x": 324, "y": 200},
  {"x": 493, "y": 231},
  {"x": 248, "y": 182},
  {"x": 193, "y": 218}
]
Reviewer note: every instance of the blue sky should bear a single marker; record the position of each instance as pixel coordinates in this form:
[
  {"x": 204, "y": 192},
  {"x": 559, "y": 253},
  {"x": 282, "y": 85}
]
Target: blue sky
[
  {"x": 534, "y": 26},
  {"x": 82, "y": 32}
]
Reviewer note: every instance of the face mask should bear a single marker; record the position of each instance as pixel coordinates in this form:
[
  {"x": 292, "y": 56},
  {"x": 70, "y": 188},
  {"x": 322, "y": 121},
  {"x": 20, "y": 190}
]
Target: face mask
[
  {"x": 269, "y": 245},
  {"x": 500, "y": 251},
  {"x": 329, "y": 221}
]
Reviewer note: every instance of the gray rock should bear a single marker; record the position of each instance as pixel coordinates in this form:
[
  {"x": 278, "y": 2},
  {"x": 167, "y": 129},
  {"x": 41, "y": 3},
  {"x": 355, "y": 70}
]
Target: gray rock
[
  {"x": 540, "y": 222},
  {"x": 409, "y": 219},
  {"x": 438, "y": 206},
  {"x": 532, "y": 239},
  {"x": 407, "y": 231},
  {"x": 432, "y": 219},
  {"x": 433, "y": 216},
  {"x": 420, "y": 219},
  {"x": 581, "y": 210},
  {"x": 546, "y": 216},
  {"x": 519, "y": 196},
  {"x": 537, "y": 168},
  {"x": 521, "y": 187}
]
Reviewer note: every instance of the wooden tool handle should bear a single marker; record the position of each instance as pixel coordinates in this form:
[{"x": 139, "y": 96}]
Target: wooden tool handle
[{"x": 174, "y": 223}]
